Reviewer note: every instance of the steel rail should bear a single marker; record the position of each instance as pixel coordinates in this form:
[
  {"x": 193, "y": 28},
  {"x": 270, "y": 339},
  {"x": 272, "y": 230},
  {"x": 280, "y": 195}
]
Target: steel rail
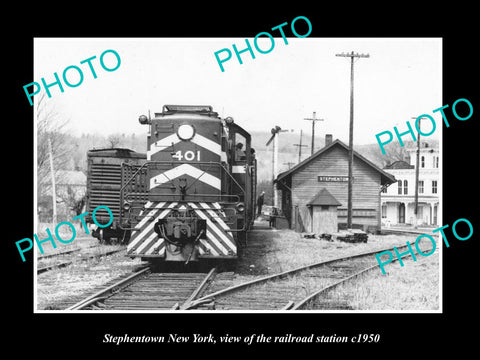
[
  {"x": 312, "y": 296},
  {"x": 67, "y": 251},
  {"x": 199, "y": 289},
  {"x": 60, "y": 253},
  {"x": 244, "y": 285},
  {"x": 315, "y": 294},
  {"x": 122, "y": 284},
  {"x": 110, "y": 290},
  {"x": 66, "y": 263},
  {"x": 54, "y": 266}
]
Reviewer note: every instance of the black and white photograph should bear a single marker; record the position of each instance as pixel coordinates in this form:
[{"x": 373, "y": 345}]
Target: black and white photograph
[
  {"x": 260, "y": 188},
  {"x": 247, "y": 196}
]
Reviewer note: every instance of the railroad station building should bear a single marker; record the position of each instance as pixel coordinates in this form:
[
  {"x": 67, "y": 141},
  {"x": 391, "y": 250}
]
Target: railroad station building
[
  {"x": 317, "y": 187},
  {"x": 398, "y": 201}
]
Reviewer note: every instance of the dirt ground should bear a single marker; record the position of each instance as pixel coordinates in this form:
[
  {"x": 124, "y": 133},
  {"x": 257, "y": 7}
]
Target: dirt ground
[
  {"x": 269, "y": 251},
  {"x": 415, "y": 286}
]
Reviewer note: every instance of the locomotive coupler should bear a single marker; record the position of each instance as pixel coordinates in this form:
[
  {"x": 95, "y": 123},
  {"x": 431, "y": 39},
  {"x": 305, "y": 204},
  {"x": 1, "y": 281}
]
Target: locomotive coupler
[{"x": 181, "y": 231}]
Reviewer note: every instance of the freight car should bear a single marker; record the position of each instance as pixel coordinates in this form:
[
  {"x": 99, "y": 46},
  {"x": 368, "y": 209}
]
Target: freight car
[
  {"x": 105, "y": 170},
  {"x": 197, "y": 195}
]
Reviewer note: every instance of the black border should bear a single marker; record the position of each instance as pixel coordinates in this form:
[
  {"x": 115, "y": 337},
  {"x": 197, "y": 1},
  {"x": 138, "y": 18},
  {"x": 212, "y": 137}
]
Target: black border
[{"x": 401, "y": 333}]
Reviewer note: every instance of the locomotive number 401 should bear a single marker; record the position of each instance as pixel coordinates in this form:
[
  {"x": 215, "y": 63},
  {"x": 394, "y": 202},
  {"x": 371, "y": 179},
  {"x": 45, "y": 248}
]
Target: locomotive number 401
[{"x": 188, "y": 155}]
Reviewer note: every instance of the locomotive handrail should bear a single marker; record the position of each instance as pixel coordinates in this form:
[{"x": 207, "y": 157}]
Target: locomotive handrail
[
  {"x": 164, "y": 162},
  {"x": 183, "y": 162},
  {"x": 198, "y": 196}
]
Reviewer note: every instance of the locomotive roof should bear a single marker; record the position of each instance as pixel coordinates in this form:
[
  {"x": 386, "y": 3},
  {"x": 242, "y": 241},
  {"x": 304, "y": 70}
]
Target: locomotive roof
[
  {"x": 205, "y": 110},
  {"x": 116, "y": 152}
]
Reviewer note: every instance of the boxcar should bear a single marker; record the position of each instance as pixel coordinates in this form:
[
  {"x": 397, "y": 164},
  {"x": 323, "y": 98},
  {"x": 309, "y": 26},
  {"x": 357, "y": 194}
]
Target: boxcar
[{"x": 106, "y": 168}]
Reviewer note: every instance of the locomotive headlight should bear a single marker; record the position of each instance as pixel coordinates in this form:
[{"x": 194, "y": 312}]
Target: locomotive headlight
[
  {"x": 185, "y": 132},
  {"x": 240, "y": 207},
  {"x": 126, "y": 206}
]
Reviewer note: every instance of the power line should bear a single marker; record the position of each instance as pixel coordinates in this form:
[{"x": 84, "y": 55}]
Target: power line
[
  {"x": 417, "y": 173},
  {"x": 300, "y": 147},
  {"x": 352, "y": 56},
  {"x": 313, "y": 119}
]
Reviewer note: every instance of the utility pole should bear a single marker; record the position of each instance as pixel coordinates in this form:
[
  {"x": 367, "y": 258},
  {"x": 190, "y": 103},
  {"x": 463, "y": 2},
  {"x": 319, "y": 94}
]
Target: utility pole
[
  {"x": 313, "y": 119},
  {"x": 417, "y": 173},
  {"x": 351, "y": 55},
  {"x": 52, "y": 174},
  {"x": 300, "y": 148}
]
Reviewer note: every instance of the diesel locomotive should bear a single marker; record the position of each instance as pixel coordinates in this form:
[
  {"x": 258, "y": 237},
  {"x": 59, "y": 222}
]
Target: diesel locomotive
[{"x": 193, "y": 197}]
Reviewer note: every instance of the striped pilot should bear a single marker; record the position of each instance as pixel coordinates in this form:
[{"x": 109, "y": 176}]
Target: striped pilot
[{"x": 200, "y": 190}]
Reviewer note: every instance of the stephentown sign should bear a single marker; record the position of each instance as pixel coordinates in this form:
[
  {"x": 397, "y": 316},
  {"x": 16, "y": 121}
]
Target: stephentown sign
[{"x": 332, "y": 178}]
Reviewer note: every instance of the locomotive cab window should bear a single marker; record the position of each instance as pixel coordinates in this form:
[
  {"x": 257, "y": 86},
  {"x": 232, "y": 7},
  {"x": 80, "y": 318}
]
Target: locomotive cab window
[{"x": 240, "y": 148}]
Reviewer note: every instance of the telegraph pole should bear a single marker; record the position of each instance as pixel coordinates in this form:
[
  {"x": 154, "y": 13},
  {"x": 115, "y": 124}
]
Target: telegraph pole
[
  {"x": 300, "y": 147},
  {"x": 313, "y": 119},
  {"x": 417, "y": 173},
  {"x": 351, "y": 55}
]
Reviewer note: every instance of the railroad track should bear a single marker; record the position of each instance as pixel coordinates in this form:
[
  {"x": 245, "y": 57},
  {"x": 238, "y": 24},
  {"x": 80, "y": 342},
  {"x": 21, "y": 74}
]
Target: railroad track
[
  {"x": 290, "y": 290},
  {"x": 407, "y": 231},
  {"x": 147, "y": 290},
  {"x": 42, "y": 269},
  {"x": 294, "y": 289}
]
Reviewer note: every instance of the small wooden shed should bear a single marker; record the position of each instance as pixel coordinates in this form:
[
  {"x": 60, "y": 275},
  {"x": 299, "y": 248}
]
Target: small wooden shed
[{"x": 323, "y": 210}]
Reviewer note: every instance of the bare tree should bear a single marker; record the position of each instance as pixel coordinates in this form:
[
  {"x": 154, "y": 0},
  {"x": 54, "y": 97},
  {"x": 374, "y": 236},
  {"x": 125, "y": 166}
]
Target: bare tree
[
  {"x": 114, "y": 140},
  {"x": 50, "y": 127},
  {"x": 394, "y": 152},
  {"x": 73, "y": 197}
]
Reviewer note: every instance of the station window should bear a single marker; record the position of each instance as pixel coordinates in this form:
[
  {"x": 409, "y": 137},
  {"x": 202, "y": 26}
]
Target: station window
[
  {"x": 420, "y": 187},
  {"x": 405, "y": 187},
  {"x": 399, "y": 187},
  {"x": 434, "y": 186},
  {"x": 423, "y": 161}
]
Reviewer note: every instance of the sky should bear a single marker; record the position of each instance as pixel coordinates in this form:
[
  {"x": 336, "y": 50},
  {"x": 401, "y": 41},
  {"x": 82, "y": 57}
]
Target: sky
[{"x": 401, "y": 79}]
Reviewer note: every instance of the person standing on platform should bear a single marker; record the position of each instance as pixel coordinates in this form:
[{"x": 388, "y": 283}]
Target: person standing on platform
[{"x": 260, "y": 203}]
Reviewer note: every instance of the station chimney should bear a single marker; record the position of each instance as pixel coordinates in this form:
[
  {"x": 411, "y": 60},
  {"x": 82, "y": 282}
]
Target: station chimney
[{"x": 328, "y": 139}]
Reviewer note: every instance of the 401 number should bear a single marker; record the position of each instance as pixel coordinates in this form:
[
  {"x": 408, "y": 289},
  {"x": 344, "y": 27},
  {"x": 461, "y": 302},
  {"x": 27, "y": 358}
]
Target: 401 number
[{"x": 187, "y": 155}]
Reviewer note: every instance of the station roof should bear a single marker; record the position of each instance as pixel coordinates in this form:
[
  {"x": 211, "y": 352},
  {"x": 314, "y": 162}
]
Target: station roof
[
  {"x": 324, "y": 197},
  {"x": 400, "y": 164},
  {"x": 386, "y": 178}
]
